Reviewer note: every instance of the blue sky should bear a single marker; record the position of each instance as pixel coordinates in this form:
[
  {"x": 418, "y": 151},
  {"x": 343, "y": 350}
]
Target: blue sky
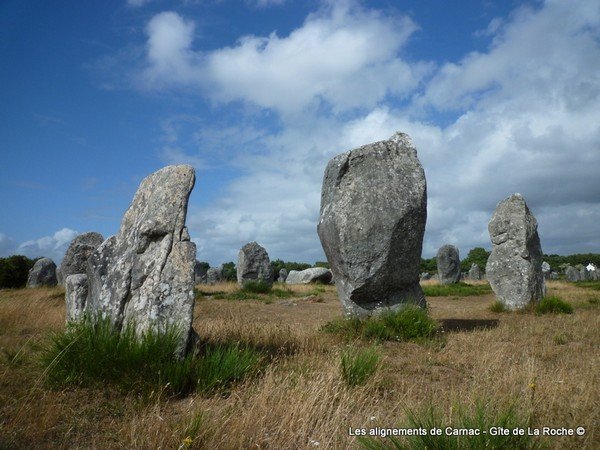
[{"x": 499, "y": 97}]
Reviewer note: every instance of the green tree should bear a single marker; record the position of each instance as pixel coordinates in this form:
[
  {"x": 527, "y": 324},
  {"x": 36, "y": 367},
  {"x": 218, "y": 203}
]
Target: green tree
[
  {"x": 428, "y": 265},
  {"x": 204, "y": 265},
  {"x": 14, "y": 271},
  {"x": 229, "y": 271},
  {"x": 278, "y": 264},
  {"x": 558, "y": 262},
  {"x": 477, "y": 255}
]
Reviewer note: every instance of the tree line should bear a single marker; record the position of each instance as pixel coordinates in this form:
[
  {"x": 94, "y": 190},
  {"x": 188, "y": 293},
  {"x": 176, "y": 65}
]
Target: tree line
[
  {"x": 479, "y": 256},
  {"x": 15, "y": 269}
]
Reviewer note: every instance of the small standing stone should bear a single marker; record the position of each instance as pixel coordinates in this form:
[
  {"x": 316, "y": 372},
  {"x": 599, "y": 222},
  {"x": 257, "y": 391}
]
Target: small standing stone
[
  {"x": 546, "y": 267},
  {"x": 214, "y": 275},
  {"x": 283, "y": 274},
  {"x": 584, "y": 275},
  {"x": 43, "y": 273},
  {"x": 200, "y": 270},
  {"x": 475, "y": 272},
  {"x": 254, "y": 265},
  {"x": 572, "y": 274},
  {"x": 514, "y": 268},
  {"x": 448, "y": 265}
]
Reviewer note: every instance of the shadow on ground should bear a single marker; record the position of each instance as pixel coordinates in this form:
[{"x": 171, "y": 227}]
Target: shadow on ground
[{"x": 458, "y": 325}]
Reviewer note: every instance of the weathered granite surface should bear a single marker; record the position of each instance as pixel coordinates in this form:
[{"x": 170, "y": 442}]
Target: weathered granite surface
[
  {"x": 43, "y": 273},
  {"x": 310, "y": 275},
  {"x": 144, "y": 275},
  {"x": 514, "y": 268},
  {"x": 373, "y": 213}
]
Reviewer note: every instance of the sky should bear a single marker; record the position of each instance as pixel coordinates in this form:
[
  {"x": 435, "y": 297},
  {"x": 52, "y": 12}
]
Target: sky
[{"x": 258, "y": 95}]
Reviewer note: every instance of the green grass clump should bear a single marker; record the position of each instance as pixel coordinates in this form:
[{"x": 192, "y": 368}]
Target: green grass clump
[
  {"x": 221, "y": 365},
  {"x": 595, "y": 285},
  {"x": 257, "y": 287},
  {"x": 281, "y": 293},
  {"x": 93, "y": 353},
  {"x": 250, "y": 294},
  {"x": 357, "y": 366},
  {"x": 200, "y": 294},
  {"x": 483, "y": 416},
  {"x": 409, "y": 323},
  {"x": 317, "y": 290},
  {"x": 457, "y": 289},
  {"x": 561, "y": 339},
  {"x": 237, "y": 295},
  {"x": 498, "y": 307},
  {"x": 553, "y": 304}
]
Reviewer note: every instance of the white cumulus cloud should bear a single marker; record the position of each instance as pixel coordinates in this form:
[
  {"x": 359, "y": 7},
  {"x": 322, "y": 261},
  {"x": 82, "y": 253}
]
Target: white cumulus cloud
[
  {"x": 169, "y": 54},
  {"x": 53, "y": 247},
  {"x": 343, "y": 55},
  {"x": 526, "y": 112}
]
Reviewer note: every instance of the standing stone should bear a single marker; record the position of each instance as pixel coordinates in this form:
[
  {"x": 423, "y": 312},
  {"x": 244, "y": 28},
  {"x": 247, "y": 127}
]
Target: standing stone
[
  {"x": 475, "y": 272},
  {"x": 310, "y": 275},
  {"x": 283, "y": 274},
  {"x": 572, "y": 274},
  {"x": 514, "y": 269},
  {"x": 373, "y": 213},
  {"x": 77, "y": 254},
  {"x": 545, "y": 267},
  {"x": 144, "y": 276},
  {"x": 200, "y": 270},
  {"x": 76, "y": 291},
  {"x": 425, "y": 276},
  {"x": 553, "y": 276},
  {"x": 214, "y": 275},
  {"x": 448, "y": 265},
  {"x": 595, "y": 275},
  {"x": 254, "y": 265},
  {"x": 43, "y": 273},
  {"x": 584, "y": 275}
]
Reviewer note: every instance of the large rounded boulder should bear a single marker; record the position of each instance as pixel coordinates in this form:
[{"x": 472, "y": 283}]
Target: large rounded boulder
[
  {"x": 310, "y": 275},
  {"x": 43, "y": 273}
]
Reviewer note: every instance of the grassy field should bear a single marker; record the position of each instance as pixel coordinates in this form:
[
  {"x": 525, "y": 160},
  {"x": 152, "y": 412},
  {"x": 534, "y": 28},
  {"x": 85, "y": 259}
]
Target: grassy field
[{"x": 479, "y": 368}]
